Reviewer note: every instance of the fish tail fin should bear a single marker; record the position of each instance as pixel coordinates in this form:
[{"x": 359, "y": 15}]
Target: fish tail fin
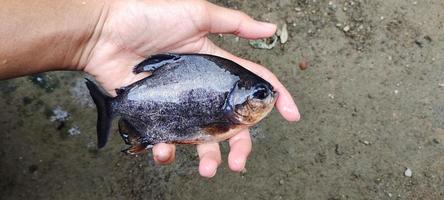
[{"x": 104, "y": 112}]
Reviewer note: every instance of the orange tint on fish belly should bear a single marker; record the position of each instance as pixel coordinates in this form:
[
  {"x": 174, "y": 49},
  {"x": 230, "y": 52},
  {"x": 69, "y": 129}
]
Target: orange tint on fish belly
[
  {"x": 210, "y": 136},
  {"x": 230, "y": 133}
]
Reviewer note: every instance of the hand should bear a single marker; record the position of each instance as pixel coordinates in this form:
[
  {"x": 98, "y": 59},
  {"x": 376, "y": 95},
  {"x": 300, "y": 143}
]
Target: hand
[{"x": 130, "y": 31}]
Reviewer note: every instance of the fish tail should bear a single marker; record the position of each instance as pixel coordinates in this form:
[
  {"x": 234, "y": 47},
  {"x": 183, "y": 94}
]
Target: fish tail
[{"x": 104, "y": 112}]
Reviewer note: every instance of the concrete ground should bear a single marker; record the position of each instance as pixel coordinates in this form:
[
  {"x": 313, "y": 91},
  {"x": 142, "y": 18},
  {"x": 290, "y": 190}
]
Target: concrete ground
[{"x": 371, "y": 99}]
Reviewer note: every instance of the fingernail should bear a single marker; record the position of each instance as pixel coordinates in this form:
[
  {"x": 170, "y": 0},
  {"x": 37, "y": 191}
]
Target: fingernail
[
  {"x": 210, "y": 170},
  {"x": 292, "y": 111},
  {"x": 214, "y": 173},
  {"x": 268, "y": 25},
  {"x": 240, "y": 163},
  {"x": 162, "y": 155}
]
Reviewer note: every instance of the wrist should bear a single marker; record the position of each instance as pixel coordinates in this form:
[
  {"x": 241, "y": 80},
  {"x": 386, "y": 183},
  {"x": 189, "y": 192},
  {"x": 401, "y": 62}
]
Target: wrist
[{"x": 82, "y": 41}]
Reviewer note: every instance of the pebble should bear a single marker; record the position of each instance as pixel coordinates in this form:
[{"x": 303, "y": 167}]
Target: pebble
[
  {"x": 59, "y": 115},
  {"x": 408, "y": 172},
  {"x": 284, "y": 34},
  {"x": 74, "y": 131},
  {"x": 303, "y": 65},
  {"x": 441, "y": 85},
  {"x": 346, "y": 28}
]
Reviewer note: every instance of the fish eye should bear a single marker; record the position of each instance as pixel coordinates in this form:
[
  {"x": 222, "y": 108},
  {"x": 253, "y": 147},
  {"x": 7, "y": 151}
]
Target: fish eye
[{"x": 261, "y": 92}]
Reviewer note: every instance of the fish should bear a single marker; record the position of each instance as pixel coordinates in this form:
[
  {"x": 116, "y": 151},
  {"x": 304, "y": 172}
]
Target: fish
[{"x": 186, "y": 99}]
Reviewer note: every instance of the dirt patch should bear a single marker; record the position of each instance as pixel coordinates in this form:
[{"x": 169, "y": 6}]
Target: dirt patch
[{"x": 371, "y": 102}]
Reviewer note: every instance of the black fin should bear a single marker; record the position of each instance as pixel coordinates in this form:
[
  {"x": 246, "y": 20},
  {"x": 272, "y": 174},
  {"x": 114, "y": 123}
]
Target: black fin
[
  {"x": 120, "y": 91},
  {"x": 104, "y": 112},
  {"x": 155, "y": 62}
]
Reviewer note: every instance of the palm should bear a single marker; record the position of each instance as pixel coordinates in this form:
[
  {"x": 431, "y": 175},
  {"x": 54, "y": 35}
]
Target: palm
[
  {"x": 134, "y": 30},
  {"x": 132, "y": 33}
]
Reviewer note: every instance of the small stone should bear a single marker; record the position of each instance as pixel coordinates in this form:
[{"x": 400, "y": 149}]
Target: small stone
[
  {"x": 59, "y": 114},
  {"x": 303, "y": 64},
  {"x": 346, "y": 28},
  {"x": 281, "y": 182},
  {"x": 441, "y": 85},
  {"x": 366, "y": 142},
  {"x": 408, "y": 172},
  {"x": 74, "y": 131},
  {"x": 436, "y": 141},
  {"x": 297, "y": 9},
  {"x": 396, "y": 91},
  {"x": 284, "y": 34}
]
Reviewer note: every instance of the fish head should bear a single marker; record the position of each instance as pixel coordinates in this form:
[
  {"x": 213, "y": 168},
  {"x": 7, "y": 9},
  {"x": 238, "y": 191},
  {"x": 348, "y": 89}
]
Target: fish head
[{"x": 250, "y": 101}]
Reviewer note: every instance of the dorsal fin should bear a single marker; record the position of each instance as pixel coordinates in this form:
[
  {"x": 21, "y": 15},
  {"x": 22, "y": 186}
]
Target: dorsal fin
[
  {"x": 119, "y": 91},
  {"x": 155, "y": 62}
]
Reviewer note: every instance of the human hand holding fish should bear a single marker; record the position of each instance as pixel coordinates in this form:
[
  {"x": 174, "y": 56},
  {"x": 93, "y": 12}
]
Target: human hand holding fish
[{"x": 106, "y": 39}]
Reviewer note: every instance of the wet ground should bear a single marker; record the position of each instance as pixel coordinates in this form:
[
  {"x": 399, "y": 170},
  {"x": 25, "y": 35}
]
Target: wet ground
[{"x": 371, "y": 99}]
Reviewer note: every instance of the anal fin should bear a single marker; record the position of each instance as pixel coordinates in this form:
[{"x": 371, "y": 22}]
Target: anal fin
[{"x": 136, "y": 149}]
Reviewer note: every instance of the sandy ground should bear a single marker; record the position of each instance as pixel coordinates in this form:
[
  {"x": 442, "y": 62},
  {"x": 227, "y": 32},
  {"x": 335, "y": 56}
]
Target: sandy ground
[{"x": 372, "y": 105}]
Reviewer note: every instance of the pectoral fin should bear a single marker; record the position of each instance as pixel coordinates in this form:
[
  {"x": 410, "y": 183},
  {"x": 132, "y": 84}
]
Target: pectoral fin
[
  {"x": 131, "y": 137},
  {"x": 221, "y": 131},
  {"x": 217, "y": 128}
]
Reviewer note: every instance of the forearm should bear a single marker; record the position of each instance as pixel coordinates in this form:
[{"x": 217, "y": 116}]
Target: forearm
[{"x": 43, "y": 35}]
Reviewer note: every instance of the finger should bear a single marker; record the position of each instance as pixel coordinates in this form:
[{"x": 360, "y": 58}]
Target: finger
[
  {"x": 224, "y": 20},
  {"x": 164, "y": 154},
  {"x": 285, "y": 103},
  {"x": 240, "y": 148},
  {"x": 210, "y": 159}
]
